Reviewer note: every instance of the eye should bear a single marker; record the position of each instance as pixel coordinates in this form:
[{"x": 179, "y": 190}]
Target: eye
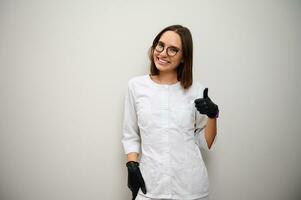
[
  {"x": 173, "y": 50},
  {"x": 160, "y": 44},
  {"x": 159, "y": 47}
]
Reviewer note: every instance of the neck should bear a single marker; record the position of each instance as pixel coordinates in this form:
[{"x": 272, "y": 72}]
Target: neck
[{"x": 167, "y": 78}]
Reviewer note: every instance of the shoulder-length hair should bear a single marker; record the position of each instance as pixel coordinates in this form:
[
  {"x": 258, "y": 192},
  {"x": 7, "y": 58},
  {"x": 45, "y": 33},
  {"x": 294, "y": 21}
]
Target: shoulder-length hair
[{"x": 184, "y": 69}]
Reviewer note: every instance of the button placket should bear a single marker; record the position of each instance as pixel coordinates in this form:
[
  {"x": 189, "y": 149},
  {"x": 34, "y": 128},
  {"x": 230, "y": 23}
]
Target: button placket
[
  {"x": 165, "y": 106},
  {"x": 168, "y": 136}
]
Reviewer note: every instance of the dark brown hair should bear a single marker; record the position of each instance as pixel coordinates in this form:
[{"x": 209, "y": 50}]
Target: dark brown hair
[{"x": 184, "y": 69}]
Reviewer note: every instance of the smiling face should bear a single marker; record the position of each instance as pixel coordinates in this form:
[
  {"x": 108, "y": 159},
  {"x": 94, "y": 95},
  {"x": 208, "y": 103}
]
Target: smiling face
[{"x": 163, "y": 61}]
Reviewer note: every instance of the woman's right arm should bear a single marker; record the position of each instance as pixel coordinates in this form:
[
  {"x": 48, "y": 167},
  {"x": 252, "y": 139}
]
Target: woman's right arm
[{"x": 131, "y": 133}]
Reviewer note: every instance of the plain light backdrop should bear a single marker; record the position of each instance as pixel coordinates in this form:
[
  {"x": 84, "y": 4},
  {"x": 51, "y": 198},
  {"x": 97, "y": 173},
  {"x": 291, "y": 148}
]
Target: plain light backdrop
[{"x": 64, "y": 67}]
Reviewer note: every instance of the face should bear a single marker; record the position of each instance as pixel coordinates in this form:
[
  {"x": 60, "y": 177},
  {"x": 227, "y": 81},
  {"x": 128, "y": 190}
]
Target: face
[{"x": 165, "y": 61}]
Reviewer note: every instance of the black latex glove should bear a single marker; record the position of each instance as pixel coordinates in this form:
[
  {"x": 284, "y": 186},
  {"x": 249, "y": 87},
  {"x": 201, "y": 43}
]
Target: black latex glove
[
  {"x": 206, "y": 106},
  {"x": 135, "y": 179}
]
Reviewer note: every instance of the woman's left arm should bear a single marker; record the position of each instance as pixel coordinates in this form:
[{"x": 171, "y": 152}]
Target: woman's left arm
[
  {"x": 210, "y": 131},
  {"x": 206, "y": 106}
]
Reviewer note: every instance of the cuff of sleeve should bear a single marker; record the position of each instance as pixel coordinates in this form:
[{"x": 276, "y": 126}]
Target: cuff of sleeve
[
  {"x": 212, "y": 145},
  {"x": 132, "y": 148},
  {"x": 201, "y": 140}
]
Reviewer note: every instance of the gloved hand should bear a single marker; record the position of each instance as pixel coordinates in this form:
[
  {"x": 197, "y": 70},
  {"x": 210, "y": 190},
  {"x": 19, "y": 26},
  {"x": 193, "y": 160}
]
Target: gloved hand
[
  {"x": 206, "y": 106},
  {"x": 135, "y": 179}
]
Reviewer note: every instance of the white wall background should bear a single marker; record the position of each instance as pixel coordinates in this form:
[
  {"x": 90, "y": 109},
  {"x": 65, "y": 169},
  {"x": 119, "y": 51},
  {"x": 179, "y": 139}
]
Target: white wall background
[{"x": 64, "y": 67}]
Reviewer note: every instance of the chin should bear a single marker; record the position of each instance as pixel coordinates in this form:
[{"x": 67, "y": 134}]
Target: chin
[{"x": 164, "y": 69}]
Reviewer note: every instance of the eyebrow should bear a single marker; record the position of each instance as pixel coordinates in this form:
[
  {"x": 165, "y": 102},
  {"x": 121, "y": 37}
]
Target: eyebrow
[{"x": 169, "y": 46}]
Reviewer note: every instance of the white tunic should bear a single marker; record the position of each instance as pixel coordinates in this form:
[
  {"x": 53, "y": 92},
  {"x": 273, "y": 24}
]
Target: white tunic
[{"x": 161, "y": 122}]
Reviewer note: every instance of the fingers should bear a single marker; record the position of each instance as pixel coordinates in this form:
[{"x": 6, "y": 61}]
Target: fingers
[
  {"x": 134, "y": 194},
  {"x": 135, "y": 191}
]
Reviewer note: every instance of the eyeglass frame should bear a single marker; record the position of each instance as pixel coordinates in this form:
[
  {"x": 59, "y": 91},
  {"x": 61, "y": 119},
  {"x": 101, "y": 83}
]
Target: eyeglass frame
[{"x": 167, "y": 48}]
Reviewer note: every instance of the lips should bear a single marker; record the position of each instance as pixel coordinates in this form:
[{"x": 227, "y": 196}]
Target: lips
[{"x": 162, "y": 61}]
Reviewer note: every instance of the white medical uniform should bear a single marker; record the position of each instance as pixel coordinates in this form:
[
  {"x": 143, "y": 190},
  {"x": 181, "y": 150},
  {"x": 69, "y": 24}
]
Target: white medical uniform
[{"x": 161, "y": 121}]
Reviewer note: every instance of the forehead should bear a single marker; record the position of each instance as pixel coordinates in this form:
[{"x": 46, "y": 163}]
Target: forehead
[{"x": 171, "y": 38}]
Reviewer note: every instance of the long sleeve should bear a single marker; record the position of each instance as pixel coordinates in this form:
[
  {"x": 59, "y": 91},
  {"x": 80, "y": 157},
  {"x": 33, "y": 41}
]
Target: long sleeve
[
  {"x": 130, "y": 130},
  {"x": 199, "y": 133}
]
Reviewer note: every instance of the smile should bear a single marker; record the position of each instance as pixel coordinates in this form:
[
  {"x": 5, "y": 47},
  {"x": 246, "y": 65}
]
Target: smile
[{"x": 161, "y": 61}]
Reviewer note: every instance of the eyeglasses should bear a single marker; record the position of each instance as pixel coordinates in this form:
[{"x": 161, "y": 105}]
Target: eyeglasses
[{"x": 171, "y": 51}]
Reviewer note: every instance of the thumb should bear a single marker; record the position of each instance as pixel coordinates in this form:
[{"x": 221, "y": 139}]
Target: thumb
[
  {"x": 205, "y": 94},
  {"x": 143, "y": 188},
  {"x": 142, "y": 184}
]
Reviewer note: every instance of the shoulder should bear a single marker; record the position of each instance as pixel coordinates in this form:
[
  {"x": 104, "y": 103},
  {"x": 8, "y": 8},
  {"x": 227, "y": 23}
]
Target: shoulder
[
  {"x": 135, "y": 81},
  {"x": 198, "y": 88},
  {"x": 199, "y": 85}
]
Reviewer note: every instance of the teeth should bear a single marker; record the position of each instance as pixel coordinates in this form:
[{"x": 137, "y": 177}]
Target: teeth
[{"x": 163, "y": 61}]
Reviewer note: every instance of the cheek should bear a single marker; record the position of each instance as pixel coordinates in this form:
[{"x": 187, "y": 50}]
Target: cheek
[
  {"x": 154, "y": 56},
  {"x": 176, "y": 60}
]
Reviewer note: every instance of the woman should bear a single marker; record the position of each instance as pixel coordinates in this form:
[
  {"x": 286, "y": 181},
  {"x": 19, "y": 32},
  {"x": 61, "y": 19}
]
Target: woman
[{"x": 170, "y": 118}]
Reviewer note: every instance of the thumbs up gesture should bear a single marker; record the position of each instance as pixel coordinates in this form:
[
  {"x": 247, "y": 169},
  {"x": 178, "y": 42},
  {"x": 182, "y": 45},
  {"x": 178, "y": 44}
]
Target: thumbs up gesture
[{"x": 206, "y": 106}]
